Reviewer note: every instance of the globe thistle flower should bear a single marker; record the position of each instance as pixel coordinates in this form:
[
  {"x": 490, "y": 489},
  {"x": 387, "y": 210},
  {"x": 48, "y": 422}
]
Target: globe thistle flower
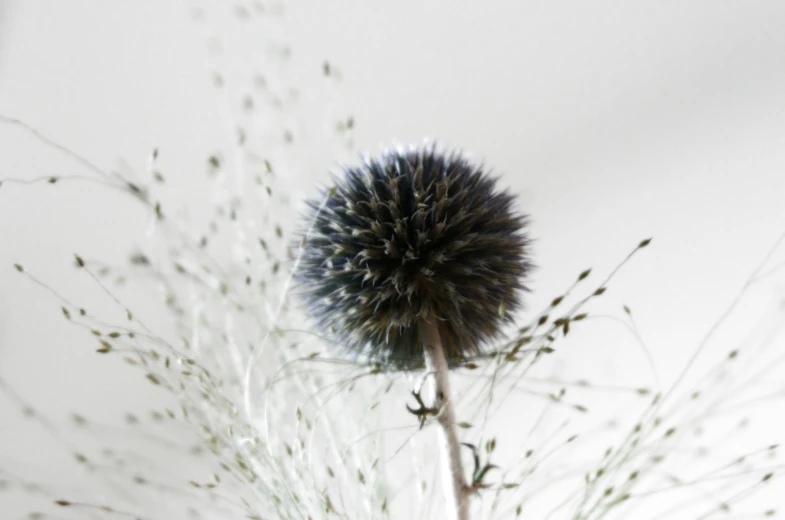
[{"x": 413, "y": 236}]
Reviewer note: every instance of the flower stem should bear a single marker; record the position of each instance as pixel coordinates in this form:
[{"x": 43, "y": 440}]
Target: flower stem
[{"x": 455, "y": 489}]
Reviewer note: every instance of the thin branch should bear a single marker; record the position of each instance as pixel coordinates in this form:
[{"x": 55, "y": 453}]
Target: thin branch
[{"x": 456, "y": 490}]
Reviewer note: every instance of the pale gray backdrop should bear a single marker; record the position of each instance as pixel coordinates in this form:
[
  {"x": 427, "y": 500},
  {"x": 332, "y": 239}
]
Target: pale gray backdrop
[{"x": 614, "y": 121}]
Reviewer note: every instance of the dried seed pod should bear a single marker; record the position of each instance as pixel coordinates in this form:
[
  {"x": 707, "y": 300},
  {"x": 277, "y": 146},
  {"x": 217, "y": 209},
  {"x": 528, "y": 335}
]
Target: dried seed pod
[{"x": 413, "y": 235}]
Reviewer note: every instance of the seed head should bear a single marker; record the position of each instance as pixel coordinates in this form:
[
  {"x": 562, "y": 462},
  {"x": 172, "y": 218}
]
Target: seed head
[{"x": 413, "y": 235}]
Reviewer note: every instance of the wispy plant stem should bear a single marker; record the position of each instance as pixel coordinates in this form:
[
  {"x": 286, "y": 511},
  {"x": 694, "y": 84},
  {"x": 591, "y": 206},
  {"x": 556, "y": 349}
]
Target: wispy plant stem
[{"x": 455, "y": 489}]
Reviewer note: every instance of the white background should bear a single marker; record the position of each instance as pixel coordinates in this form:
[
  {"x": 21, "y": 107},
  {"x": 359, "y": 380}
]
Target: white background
[{"x": 614, "y": 121}]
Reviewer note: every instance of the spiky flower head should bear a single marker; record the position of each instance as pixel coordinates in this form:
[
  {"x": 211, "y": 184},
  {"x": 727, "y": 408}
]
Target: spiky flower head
[{"x": 413, "y": 235}]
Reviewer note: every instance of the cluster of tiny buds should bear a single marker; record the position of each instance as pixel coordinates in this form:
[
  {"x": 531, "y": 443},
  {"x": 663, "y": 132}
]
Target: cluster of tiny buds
[{"x": 413, "y": 234}]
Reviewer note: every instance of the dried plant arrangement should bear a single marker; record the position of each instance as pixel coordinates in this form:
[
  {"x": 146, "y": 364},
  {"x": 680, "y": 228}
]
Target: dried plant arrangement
[{"x": 366, "y": 351}]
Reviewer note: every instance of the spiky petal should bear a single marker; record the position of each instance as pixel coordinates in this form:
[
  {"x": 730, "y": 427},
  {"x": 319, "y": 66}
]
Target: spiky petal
[{"x": 413, "y": 235}]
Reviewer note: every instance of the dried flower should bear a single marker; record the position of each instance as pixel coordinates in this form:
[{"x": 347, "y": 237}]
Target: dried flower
[{"x": 413, "y": 235}]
